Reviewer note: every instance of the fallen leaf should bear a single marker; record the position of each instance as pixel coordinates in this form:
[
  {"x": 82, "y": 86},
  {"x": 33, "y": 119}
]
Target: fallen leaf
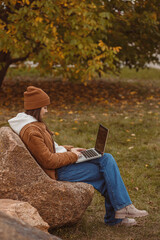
[
  {"x": 70, "y": 112},
  {"x": 133, "y": 92},
  {"x": 149, "y": 98},
  {"x": 56, "y": 133},
  {"x": 130, "y": 147}
]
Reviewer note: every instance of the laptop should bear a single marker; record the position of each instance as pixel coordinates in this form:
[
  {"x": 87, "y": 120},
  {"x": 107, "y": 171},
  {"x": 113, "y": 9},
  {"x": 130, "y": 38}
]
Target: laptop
[{"x": 98, "y": 151}]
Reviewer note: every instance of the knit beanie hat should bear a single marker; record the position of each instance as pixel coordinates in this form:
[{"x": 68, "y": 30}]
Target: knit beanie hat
[{"x": 35, "y": 98}]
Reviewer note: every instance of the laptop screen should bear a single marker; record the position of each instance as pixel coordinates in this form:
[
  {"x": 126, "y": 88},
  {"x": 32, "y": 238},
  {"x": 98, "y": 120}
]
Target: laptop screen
[{"x": 101, "y": 139}]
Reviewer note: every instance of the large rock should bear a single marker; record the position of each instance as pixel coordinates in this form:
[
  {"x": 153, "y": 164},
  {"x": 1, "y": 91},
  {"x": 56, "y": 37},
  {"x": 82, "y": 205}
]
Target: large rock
[
  {"x": 23, "y": 212},
  {"x": 12, "y": 229},
  {"x": 21, "y": 178}
]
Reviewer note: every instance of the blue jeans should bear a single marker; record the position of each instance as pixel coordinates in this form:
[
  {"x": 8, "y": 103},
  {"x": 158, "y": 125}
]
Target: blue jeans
[{"x": 103, "y": 174}]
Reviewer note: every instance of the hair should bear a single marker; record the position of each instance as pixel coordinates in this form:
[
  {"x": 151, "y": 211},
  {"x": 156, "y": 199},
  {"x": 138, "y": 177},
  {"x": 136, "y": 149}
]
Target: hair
[{"x": 36, "y": 114}]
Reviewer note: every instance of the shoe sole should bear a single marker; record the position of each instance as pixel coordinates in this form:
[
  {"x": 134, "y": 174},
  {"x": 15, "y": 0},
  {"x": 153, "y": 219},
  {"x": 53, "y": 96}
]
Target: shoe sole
[
  {"x": 121, "y": 216},
  {"x": 128, "y": 225}
]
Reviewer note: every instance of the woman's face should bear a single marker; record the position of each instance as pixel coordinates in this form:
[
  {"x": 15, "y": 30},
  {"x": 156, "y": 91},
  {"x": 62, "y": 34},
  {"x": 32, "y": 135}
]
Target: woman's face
[{"x": 43, "y": 111}]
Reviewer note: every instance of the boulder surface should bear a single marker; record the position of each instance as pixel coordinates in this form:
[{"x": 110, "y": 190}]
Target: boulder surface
[
  {"x": 12, "y": 229},
  {"x": 23, "y": 212},
  {"x": 21, "y": 178}
]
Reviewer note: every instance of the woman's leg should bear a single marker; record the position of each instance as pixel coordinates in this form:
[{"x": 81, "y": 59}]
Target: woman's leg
[
  {"x": 94, "y": 173},
  {"x": 116, "y": 189}
]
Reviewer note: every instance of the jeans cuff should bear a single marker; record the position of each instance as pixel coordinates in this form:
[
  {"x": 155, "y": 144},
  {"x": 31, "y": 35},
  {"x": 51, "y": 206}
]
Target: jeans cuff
[
  {"x": 123, "y": 206},
  {"x": 114, "y": 223}
]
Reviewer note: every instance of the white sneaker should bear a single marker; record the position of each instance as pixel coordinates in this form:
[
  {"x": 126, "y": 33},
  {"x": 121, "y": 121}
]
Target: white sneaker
[
  {"x": 130, "y": 211},
  {"x": 128, "y": 222}
]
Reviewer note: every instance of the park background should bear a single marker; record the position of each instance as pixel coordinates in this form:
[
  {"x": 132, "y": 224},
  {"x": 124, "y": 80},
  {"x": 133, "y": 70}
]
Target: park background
[{"x": 93, "y": 60}]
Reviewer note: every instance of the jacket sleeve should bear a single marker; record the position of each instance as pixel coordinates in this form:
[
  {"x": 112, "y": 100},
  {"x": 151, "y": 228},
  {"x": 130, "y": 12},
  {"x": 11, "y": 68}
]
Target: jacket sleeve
[
  {"x": 68, "y": 147},
  {"x": 47, "y": 159}
]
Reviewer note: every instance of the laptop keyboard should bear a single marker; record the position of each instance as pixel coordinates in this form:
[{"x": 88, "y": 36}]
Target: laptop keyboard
[{"x": 89, "y": 153}]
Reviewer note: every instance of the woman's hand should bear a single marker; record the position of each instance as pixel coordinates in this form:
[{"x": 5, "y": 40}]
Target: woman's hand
[{"x": 77, "y": 151}]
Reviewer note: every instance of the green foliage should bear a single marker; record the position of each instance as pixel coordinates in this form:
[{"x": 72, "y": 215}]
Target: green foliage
[
  {"x": 63, "y": 33},
  {"x": 79, "y": 39},
  {"x": 136, "y": 29}
]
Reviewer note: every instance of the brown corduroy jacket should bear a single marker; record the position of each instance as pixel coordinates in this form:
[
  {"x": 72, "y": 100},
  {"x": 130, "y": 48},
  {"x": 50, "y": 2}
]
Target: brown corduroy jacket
[{"x": 41, "y": 145}]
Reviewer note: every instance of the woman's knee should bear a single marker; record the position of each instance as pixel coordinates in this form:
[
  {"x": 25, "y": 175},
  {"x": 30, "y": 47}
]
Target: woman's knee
[{"x": 108, "y": 158}]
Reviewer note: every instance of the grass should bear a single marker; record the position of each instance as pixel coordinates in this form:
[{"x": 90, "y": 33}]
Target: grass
[
  {"x": 145, "y": 74},
  {"x": 125, "y": 74},
  {"x": 134, "y": 141}
]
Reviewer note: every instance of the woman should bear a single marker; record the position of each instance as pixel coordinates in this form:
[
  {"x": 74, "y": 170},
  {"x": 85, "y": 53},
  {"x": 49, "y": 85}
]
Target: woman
[{"x": 59, "y": 162}]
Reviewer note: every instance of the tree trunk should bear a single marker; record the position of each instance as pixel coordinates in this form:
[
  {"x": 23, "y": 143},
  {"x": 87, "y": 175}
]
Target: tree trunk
[
  {"x": 3, "y": 72},
  {"x": 5, "y": 61}
]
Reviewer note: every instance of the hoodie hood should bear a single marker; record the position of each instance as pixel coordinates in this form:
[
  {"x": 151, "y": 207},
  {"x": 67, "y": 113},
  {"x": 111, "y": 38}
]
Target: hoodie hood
[{"x": 18, "y": 122}]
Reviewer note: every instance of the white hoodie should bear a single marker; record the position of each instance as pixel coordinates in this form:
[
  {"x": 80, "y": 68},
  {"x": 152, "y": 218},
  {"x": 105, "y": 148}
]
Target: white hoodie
[
  {"x": 18, "y": 122},
  {"x": 22, "y": 119}
]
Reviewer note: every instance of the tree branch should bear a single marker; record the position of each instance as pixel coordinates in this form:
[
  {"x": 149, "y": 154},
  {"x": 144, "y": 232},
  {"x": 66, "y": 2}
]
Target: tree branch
[{"x": 14, "y": 60}]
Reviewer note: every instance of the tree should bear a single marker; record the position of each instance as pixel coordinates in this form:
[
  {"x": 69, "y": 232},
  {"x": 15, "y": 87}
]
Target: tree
[
  {"x": 136, "y": 29},
  {"x": 62, "y": 33},
  {"x": 79, "y": 38}
]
